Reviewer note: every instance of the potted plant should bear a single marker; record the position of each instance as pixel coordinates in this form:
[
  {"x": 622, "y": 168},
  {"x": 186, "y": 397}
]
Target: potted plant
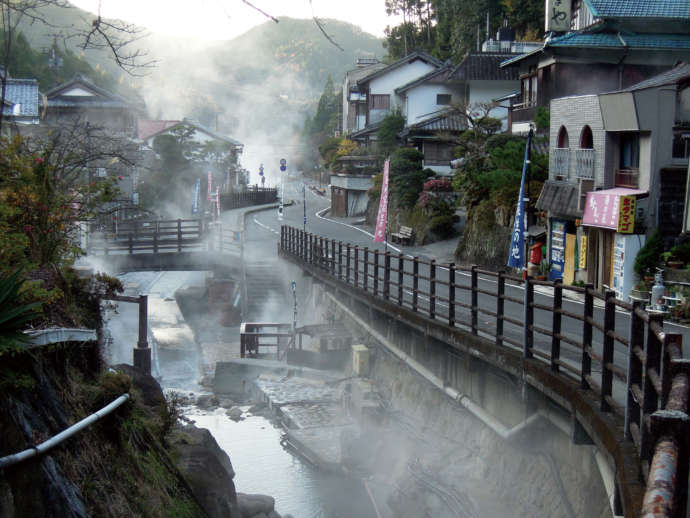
[
  {"x": 649, "y": 256},
  {"x": 640, "y": 292},
  {"x": 544, "y": 268}
]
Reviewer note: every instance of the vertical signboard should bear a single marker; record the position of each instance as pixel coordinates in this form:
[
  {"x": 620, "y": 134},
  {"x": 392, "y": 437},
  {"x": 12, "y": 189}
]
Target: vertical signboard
[
  {"x": 557, "y": 258},
  {"x": 626, "y": 214},
  {"x": 557, "y": 16}
]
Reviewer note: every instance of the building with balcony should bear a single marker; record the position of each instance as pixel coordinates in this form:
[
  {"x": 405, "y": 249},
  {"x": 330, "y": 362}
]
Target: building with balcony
[
  {"x": 625, "y": 149},
  {"x": 599, "y": 46}
]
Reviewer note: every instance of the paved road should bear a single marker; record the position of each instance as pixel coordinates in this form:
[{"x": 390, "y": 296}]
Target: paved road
[{"x": 267, "y": 224}]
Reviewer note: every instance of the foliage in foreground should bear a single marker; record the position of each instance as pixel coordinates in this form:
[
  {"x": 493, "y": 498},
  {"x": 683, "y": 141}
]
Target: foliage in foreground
[{"x": 14, "y": 315}]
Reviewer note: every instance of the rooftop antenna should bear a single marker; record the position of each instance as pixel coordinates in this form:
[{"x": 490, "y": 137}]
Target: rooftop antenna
[
  {"x": 487, "y": 25},
  {"x": 479, "y": 43}
]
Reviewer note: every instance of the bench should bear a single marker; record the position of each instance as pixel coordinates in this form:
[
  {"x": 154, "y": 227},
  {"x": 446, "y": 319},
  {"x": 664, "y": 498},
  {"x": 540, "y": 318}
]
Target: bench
[{"x": 404, "y": 235}]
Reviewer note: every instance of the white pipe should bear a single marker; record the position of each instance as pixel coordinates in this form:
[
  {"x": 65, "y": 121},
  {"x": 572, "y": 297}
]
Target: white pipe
[
  {"x": 55, "y": 335},
  {"x": 608, "y": 478},
  {"x": 10, "y": 460}
]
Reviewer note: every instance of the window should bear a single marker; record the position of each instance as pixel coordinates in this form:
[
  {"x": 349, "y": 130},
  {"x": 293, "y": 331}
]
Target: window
[
  {"x": 563, "y": 138},
  {"x": 380, "y": 102},
  {"x": 443, "y": 99},
  {"x": 529, "y": 88},
  {"x": 437, "y": 153},
  {"x": 630, "y": 151},
  {"x": 586, "y": 140}
]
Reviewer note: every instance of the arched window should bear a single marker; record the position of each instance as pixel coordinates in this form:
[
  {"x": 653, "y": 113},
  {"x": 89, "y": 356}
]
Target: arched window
[
  {"x": 563, "y": 138},
  {"x": 586, "y": 140}
]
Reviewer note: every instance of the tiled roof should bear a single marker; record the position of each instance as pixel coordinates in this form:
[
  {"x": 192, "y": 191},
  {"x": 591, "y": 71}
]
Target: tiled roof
[
  {"x": 484, "y": 66},
  {"x": 676, "y": 74},
  {"x": 622, "y": 40},
  {"x": 561, "y": 198},
  {"x": 360, "y": 73},
  {"x": 367, "y": 130},
  {"x": 102, "y": 98},
  {"x": 444, "y": 121},
  {"x": 149, "y": 128},
  {"x": 22, "y": 92},
  {"x": 639, "y": 8}
]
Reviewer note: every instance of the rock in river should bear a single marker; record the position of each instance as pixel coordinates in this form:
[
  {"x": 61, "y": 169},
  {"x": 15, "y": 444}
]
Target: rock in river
[
  {"x": 252, "y": 505},
  {"x": 235, "y": 413}
]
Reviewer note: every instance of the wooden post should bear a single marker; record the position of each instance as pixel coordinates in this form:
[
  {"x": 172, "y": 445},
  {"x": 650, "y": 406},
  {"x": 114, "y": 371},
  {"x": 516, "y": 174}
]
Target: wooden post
[
  {"x": 376, "y": 273},
  {"x": 556, "y": 325},
  {"x": 528, "y": 319},
  {"x": 432, "y": 289},
  {"x": 366, "y": 268},
  {"x": 401, "y": 273},
  {"x": 347, "y": 265},
  {"x": 332, "y": 257},
  {"x": 451, "y": 294},
  {"x": 179, "y": 235},
  {"x": 142, "y": 351},
  {"x": 356, "y": 266},
  {"x": 386, "y": 274},
  {"x": 636, "y": 340},
  {"x": 415, "y": 282},
  {"x": 500, "y": 303},
  {"x": 650, "y": 398},
  {"x": 586, "y": 368},
  {"x": 475, "y": 300},
  {"x": 607, "y": 351},
  {"x": 340, "y": 260}
]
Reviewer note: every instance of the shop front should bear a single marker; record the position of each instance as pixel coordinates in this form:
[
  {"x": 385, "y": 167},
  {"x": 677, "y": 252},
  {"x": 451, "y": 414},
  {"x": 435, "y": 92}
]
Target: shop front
[{"x": 611, "y": 239}]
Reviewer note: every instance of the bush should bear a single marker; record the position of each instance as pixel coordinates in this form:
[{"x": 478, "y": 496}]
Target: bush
[
  {"x": 681, "y": 252},
  {"x": 443, "y": 225},
  {"x": 649, "y": 255}
]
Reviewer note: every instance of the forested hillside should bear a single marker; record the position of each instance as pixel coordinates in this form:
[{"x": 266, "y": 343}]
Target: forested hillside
[{"x": 448, "y": 28}]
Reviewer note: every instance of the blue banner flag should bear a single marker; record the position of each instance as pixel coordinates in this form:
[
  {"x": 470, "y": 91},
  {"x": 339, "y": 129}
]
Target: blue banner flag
[{"x": 516, "y": 259}]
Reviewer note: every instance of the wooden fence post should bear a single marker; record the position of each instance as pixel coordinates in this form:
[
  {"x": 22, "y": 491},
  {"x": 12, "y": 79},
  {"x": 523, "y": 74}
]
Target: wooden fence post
[
  {"x": 556, "y": 325},
  {"x": 636, "y": 344},
  {"x": 415, "y": 282},
  {"x": 366, "y": 268},
  {"x": 401, "y": 273},
  {"x": 332, "y": 258},
  {"x": 432, "y": 289},
  {"x": 347, "y": 265},
  {"x": 451, "y": 294},
  {"x": 179, "y": 235},
  {"x": 155, "y": 243},
  {"x": 386, "y": 275},
  {"x": 650, "y": 398},
  {"x": 607, "y": 350},
  {"x": 500, "y": 304},
  {"x": 376, "y": 273},
  {"x": 528, "y": 312},
  {"x": 586, "y": 368},
  {"x": 474, "y": 299},
  {"x": 340, "y": 260},
  {"x": 356, "y": 266}
]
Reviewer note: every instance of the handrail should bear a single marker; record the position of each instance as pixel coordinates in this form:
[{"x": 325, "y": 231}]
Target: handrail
[
  {"x": 21, "y": 456},
  {"x": 656, "y": 375}
]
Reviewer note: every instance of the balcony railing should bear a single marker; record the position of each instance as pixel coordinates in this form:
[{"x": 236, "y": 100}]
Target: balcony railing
[
  {"x": 629, "y": 177},
  {"x": 523, "y": 113},
  {"x": 584, "y": 163},
  {"x": 561, "y": 163}
]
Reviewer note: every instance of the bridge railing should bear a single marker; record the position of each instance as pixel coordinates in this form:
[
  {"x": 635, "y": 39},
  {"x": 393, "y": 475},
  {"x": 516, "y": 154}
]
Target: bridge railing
[
  {"x": 463, "y": 297},
  {"x": 160, "y": 236},
  {"x": 252, "y": 196},
  {"x": 255, "y": 335}
]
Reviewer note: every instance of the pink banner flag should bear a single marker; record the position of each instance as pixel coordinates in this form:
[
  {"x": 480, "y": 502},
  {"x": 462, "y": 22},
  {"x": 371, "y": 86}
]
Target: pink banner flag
[
  {"x": 218, "y": 203},
  {"x": 382, "y": 218},
  {"x": 210, "y": 184}
]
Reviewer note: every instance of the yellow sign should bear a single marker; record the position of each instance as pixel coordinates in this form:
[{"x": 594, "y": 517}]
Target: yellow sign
[
  {"x": 583, "y": 252},
  {"x": 626, "y": 214}
]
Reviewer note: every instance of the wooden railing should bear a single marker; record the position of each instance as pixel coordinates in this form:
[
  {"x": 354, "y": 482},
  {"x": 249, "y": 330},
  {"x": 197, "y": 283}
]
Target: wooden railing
[
  {"x": 165, "y": 236},
  {"x": 629, "y": 177},
  {"x": 452, "y": 294}
]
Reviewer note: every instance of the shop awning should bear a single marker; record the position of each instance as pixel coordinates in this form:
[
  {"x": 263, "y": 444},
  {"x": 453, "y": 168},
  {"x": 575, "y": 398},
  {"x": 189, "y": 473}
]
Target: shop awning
[
  {"x": 559, "y": 198},
  {"x": 612, "y": 208}
]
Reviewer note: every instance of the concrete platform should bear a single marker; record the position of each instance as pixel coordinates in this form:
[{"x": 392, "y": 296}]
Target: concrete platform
[{"x": 321, "y": 446}]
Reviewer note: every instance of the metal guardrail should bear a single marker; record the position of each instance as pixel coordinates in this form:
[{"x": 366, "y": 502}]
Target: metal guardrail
[
  {"x": 655, "y": 409},
  {"x": 255, "y": 335}
]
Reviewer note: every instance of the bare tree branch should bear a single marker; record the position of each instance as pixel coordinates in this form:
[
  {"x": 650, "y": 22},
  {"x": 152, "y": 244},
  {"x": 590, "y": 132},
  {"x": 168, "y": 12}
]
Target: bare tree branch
[
  {"x": 262, "y": 12},
  {"x": 319, "y": 24}
]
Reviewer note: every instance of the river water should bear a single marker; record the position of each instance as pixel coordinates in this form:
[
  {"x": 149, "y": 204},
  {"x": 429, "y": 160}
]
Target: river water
[{"x": 253, "y": 444}]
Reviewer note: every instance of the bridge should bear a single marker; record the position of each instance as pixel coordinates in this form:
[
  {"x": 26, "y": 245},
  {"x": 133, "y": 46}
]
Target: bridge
[
  {"x": 610, "y": 364},
  {"x": 172, "y": 245}
]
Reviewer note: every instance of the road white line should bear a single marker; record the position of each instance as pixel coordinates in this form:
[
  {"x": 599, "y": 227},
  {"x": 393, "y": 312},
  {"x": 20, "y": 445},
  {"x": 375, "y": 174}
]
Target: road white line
[
  {"x": 265, "y": 227},
  {"x": 319, "y": 215}
]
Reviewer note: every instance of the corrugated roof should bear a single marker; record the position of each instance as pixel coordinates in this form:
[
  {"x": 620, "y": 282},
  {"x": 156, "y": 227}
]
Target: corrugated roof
[
  {"x": 484, "y": 66},
  {"x": 640, "y": 8},
  {"x": 561, "y": 198},
  {"x": 22, "y": 92}
]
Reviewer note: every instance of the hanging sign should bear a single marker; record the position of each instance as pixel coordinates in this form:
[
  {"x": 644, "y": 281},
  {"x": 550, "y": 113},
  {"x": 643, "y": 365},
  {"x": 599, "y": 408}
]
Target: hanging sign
[
  {"x": 583, "y": 253},
  {"x": 626, "y": 214},
  {"x": 557, "y": 16}
]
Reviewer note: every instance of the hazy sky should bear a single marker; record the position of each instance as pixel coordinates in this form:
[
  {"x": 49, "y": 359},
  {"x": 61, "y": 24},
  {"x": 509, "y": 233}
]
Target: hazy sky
[{"x": 224, "y": 19}]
